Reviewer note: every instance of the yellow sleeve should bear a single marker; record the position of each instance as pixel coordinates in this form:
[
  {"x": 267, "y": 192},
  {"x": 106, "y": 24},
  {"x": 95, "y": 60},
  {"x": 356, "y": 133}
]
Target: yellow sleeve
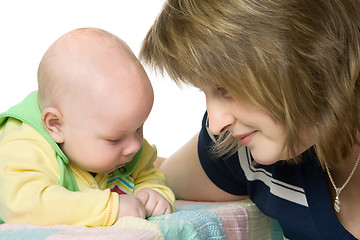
[
  {"x": 29, "y": 185},
  {"x": 147, "y": 176}
]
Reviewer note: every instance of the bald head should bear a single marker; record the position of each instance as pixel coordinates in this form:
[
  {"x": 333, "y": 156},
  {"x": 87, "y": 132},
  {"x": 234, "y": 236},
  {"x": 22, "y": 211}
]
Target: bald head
[
  {"x": 82, "y": 62},
  {"x": 93, "y": 91}
]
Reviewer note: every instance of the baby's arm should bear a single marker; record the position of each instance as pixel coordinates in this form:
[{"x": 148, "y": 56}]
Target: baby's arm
[
  {"x": 155, "y": 204},
  {"x": 130, "y": 205},
  {"x": 30, "y": 192},
  {"x": 151, "y": 184}
]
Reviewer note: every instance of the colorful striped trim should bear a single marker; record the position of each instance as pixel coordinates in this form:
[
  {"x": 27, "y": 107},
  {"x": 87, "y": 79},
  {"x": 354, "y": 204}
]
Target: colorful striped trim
[{"x": 124, "y": 184}]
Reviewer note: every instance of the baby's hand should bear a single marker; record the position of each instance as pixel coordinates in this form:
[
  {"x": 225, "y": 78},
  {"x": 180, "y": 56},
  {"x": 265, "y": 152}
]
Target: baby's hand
[
  {"x": 155, "y": 204},
  {"x": 130, "y": 205}
]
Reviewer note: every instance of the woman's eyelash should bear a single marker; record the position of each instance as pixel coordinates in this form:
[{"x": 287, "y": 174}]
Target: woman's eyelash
[{"x": 222, "y": 91}]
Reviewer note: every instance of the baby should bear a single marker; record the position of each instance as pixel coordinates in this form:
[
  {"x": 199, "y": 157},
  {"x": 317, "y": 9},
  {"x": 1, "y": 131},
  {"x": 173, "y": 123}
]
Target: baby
[{"x": 73, "y": 152}]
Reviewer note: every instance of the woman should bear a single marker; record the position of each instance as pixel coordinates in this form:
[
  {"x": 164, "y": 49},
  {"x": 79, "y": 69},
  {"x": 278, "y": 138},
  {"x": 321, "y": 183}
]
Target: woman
[{"x": 281, "y": 80}]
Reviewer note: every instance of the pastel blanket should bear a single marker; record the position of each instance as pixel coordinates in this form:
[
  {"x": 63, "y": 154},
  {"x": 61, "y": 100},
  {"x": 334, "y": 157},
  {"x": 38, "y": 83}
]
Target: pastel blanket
[{"x": 192, "y": 220}]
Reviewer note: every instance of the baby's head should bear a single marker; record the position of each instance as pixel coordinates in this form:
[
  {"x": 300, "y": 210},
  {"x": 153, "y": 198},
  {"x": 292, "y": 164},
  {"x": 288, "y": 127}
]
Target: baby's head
[{"x": 95, "y": 97}]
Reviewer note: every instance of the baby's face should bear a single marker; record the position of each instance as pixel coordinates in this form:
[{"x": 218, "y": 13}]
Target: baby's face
[
  {"x": 105, "y": 130},
  {"x": 101, "y": 145}
]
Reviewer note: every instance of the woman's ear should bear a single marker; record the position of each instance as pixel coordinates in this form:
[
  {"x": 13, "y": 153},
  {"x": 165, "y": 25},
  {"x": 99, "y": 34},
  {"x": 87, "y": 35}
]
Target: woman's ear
[{"x": 52, "y": 120}]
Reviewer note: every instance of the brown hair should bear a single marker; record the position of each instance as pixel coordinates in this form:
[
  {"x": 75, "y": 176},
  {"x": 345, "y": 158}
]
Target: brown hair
[{"x": 298, "y": 60}]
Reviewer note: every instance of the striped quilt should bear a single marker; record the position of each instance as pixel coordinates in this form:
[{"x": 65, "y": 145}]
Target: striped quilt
[{"x": 192, "y": 220}]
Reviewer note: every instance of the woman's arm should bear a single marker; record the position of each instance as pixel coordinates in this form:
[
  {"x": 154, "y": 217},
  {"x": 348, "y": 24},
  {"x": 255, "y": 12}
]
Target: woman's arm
[{"x": 187, "y": 178}]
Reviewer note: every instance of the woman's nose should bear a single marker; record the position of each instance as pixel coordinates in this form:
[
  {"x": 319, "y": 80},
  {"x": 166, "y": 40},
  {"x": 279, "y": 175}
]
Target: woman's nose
[{"x": 220, "y": 118}]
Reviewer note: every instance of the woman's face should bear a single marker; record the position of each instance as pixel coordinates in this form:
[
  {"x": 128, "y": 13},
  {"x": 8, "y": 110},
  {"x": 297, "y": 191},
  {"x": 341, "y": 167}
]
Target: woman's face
[{"x": 255, "y": 129}]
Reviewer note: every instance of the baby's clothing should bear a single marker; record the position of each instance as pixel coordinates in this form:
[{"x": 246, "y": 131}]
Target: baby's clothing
[
  {"x": 39, "y": 185},
  {"x": 121, "y": 185}
]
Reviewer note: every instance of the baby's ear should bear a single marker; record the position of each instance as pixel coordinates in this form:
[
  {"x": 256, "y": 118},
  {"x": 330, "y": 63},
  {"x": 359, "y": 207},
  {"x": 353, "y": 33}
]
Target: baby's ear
[{"x": 52, "y": 120}]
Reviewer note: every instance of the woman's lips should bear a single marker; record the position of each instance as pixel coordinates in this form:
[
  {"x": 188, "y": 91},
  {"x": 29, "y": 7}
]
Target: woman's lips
[{"x": 246, "y": 138}]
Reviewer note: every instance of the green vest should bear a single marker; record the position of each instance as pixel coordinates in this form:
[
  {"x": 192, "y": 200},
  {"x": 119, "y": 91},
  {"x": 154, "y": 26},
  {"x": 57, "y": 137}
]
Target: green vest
[{"x": 28, "y": 111}]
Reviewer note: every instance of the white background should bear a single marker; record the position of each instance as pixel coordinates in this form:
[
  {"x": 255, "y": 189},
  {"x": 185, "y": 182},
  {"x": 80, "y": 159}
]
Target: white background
[{"x": 29, "y": 27}]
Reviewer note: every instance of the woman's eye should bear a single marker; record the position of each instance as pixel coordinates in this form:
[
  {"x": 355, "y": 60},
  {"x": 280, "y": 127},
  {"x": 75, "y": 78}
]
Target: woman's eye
[{"x": 222, "y": 92}]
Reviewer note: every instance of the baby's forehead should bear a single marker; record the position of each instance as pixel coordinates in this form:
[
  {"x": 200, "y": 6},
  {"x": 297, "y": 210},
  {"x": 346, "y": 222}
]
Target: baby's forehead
[{"x": 117, "y": 111}]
